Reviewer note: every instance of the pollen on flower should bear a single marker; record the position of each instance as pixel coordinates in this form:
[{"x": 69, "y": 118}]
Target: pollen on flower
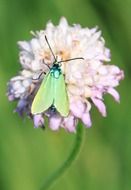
[{"x": 86, "y": 80}]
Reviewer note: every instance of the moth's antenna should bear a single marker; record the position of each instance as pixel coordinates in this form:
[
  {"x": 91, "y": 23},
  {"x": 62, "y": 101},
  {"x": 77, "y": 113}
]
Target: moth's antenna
[
  {"x": 70, "y": 59},
  {"x": 47, "y": 65},
  {"x": 50, "y": 48},
  {"x": 40, "y": 75}
]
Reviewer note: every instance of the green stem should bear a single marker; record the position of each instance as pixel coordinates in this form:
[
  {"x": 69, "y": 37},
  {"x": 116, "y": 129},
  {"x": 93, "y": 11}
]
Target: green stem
[{"x": 67, "y": 163}]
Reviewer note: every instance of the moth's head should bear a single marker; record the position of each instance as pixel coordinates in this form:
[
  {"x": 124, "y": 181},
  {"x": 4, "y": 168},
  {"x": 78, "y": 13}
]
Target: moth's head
[{"x": 57, "y": 63}]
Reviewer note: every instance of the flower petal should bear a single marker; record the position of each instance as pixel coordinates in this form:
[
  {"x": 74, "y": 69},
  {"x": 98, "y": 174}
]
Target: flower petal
[
  {"x": 21, "y": 106},
  {"x": 24, "y": 45},
  {"x": 77, "y": 108},
  {"x": 38, "y": 121},
  {"x": 100, "y": 105},
  {"x": 114, "y": 93},
  {"x": 69, "y": 123},
  {"x": 86, "y": 119},
  {"x": 54, "y": 122}
]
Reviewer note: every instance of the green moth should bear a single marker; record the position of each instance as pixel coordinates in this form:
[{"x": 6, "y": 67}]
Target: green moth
[{"x": 52, "y": 92}]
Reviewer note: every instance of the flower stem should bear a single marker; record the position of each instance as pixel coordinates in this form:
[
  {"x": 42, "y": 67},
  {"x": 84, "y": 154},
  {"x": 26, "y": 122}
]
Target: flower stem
[{"x": 68, "y": 162}]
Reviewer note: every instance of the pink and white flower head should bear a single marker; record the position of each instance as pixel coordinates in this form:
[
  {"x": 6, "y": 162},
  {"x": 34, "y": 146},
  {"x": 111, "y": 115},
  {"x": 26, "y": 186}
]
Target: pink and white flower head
[{"x": 86, "y": 80}]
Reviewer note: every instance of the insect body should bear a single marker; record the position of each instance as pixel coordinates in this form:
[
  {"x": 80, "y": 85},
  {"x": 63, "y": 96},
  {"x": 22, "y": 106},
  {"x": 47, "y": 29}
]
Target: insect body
[{"x": 52, "y": 92}]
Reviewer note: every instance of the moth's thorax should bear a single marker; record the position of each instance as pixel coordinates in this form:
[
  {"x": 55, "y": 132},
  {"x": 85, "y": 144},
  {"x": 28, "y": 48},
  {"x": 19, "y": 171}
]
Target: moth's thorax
[{"x": 55, "y": 71}]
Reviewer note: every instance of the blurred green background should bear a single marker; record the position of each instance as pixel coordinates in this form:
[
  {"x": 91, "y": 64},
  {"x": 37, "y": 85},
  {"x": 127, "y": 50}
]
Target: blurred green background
[{"x": 28, "y": 155}]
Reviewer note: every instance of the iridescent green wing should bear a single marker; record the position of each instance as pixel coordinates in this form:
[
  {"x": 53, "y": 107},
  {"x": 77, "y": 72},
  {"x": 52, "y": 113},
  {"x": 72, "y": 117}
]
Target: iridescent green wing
[
  {"x": 61, "y": 102},
  {"x": 44, "y": 97}
]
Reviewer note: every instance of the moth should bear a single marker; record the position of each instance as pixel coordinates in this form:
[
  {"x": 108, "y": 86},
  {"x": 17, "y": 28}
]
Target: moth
[{"x": 52, "y": 92}]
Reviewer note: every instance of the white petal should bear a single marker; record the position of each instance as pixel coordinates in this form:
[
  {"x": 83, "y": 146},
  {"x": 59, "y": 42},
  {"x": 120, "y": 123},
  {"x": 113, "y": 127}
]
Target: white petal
[
  {"x": 24, "y": 45},
  {"x": 63, "y": 23},
  {"x": 35, "y": 45}
]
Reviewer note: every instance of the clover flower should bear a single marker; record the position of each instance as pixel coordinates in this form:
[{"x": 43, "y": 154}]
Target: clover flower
[{"x": 86, "y": 80}]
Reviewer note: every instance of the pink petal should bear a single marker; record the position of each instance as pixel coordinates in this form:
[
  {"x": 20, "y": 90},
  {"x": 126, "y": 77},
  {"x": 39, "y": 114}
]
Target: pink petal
[
  {"x": 11, "y": 97},
  {"x": 97, "y": 92},
  {"x": 100, "y": 105},
  {"x": 121, "y": 75},
  {"x": 38, "y": 121},
  {"x": 86, "y": 119},
  {"x": 70, "y": 123},
  {"x": 54, "y": 122},
  {"x": 114, "y": 93},
  {"x": 77, "y": 108}
]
